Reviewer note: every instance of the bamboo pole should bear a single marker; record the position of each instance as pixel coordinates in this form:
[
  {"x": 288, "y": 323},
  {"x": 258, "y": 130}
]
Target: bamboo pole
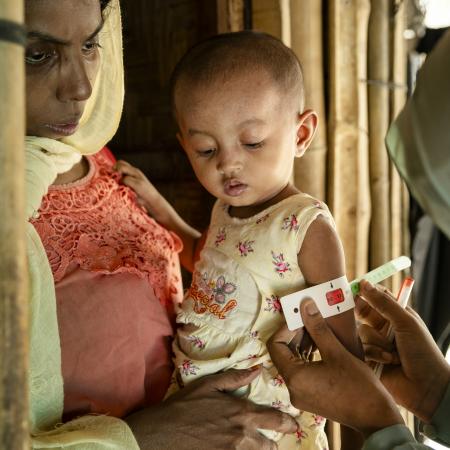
[
  {"x": 267, "y": 17},
  {"x": 347, "y": 167},
  {"x": 230, "y": 15},
  {"x": 13, "y": 282},
  {"x": 380, "y": 232},
  {"x": 306, "y": 27},
  {"x": 399, "y": 227}
]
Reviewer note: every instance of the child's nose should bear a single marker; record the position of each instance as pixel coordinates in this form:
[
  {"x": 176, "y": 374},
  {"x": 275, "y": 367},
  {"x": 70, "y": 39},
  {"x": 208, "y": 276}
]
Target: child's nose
[{"x": 229, "y": 162}]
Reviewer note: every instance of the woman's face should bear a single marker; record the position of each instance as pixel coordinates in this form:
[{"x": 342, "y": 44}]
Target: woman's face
[{"x": 62, "y": 62}]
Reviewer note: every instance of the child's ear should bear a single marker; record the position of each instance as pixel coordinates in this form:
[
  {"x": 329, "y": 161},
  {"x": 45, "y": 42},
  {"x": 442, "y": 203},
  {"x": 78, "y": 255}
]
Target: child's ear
[{"x": 306, "y": 129}]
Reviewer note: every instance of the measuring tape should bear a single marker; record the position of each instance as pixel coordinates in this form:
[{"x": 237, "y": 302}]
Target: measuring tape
[
  {"x": 336, "y": 296},
  {"x": 382, "y": 272}
]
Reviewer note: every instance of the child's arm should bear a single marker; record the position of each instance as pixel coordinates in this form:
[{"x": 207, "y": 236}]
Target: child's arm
[
  {"x": 161, "y": 210},
  {"x": 321, "y": 259}
]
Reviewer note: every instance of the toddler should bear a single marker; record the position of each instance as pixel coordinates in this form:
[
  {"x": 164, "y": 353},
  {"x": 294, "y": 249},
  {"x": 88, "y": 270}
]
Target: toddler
[{"x": 238, "y": 102}]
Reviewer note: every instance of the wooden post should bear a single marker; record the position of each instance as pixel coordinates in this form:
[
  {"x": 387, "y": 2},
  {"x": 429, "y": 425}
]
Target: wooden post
[
  {"x": 230, "y": 15},
  {"x": 14, "y": 434},
  {"x": 347, "y": 170},
  {"x": 267, "y": 17},
  {"x": 306, "y": 26},
  {"x": 379, "y": 58},
  {"x": 399, "y": 226}
]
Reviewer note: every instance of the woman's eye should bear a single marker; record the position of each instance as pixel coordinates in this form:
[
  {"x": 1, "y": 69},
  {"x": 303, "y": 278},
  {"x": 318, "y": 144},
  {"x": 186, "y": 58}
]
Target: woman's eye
[
  {"x": 206, "y": 153},
  {"x": 38, "y": 57},
  {"x": 89, "y": 47}
]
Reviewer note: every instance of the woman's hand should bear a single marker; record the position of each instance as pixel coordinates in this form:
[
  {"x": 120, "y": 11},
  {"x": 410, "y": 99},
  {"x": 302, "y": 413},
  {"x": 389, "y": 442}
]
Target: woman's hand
[
  {"x": 340, "y": 386},
  {"x": 204, "y": 416},
  {"x": 415, "y": 372}
]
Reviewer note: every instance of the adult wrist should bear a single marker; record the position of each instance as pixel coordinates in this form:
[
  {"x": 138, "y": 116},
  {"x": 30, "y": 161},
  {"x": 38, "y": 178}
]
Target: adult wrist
[
  {"x": 434, "y": 396},
  {"x": 384, "y": 416}
]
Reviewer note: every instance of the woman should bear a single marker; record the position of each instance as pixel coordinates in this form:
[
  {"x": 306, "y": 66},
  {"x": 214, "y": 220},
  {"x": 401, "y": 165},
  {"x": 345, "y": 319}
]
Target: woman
[{"x": 104, "y": 276}]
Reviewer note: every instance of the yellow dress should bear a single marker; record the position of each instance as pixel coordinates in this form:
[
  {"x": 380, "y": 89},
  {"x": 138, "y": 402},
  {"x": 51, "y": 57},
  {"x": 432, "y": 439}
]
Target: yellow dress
[{"x": 232, "y": 306}]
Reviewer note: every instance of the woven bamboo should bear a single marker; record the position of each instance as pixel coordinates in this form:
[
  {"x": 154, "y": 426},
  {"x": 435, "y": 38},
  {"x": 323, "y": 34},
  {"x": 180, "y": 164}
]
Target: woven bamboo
[{"x": 13, "y": 281}]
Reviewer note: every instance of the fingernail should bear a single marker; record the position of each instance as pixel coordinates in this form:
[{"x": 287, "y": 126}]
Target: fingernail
[
  {"x": 311, "y": 308},
  {"x": 367, "y": 286},
  {"x": 387, "y": 357},
  {"x": 253, "y": 368}
]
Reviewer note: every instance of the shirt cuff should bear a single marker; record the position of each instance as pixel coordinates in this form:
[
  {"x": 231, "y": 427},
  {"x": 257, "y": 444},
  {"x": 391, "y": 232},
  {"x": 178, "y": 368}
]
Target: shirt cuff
[
  {"x": 439, "y": 428},
  {"x": 388, "y": 438}
]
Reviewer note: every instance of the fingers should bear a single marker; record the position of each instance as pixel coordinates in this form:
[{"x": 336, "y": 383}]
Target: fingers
[
  {"x": 281, "y": 355},
  {"x": 370, "y": 336},
  {"x": 382, "y": 300},
  {"x": 230, "y": 380},
  {"x": 126, "y": 168},
  {"x": 320, "y": 333},
  {"x": 366, "y": 314},
  {"x": 272, "y": 419}
]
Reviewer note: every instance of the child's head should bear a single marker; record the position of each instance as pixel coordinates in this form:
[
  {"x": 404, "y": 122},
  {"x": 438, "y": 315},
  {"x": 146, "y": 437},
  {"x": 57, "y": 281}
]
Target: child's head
[{"x": 238, "y": 101}]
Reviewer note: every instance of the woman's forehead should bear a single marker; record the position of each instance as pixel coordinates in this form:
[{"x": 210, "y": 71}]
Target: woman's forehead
[{"x": 65, "y": 20}]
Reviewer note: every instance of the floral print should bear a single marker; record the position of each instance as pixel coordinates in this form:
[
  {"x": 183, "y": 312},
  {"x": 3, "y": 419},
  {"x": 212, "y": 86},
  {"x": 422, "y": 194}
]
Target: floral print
[
  {"x": 188, "y": 368},
  {"x": 196, "y": 341},
  {"x": 220, "y": 237},
  {"x": 277, "y": 404},
  {"x": 245, "y": 247},
  {"x": 290, "y": 223},
  {"x": 222, "y": 289},
  {"x": 263, "y": 218},
  {"x": 277, "y": 381},
  {"x": 281, "y": 266},
  {"x": 273, "y": 304},
  {"x": 300, "y": 434}
]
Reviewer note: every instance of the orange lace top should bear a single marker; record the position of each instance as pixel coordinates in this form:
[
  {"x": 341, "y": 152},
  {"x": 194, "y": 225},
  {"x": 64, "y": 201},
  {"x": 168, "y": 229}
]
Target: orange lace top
[{"x": 116, "y": 276}]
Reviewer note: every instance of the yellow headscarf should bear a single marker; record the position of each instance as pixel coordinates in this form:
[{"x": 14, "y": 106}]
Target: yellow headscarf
[
  {"x": 46, "y": 158},
  {"x": 419, "y": 139}
]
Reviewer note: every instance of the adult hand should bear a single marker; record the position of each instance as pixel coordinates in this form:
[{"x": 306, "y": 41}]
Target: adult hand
[
  {"x": 415, "y": 372},
  {"x": 203, "y": 415},
  {"x": 340, "y": 386}
]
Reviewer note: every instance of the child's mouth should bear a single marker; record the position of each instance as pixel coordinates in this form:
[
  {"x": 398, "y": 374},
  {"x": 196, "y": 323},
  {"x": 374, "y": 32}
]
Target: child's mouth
[{"x": 234, "y": 187}]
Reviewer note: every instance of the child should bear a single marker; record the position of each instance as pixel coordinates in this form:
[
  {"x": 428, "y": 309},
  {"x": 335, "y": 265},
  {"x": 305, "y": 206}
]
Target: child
[{"x": 238, "y": 102}]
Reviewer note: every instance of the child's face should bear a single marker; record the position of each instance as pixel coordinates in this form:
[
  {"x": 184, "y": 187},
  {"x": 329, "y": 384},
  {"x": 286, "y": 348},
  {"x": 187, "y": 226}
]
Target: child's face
[{"x": 241, "y": 137}]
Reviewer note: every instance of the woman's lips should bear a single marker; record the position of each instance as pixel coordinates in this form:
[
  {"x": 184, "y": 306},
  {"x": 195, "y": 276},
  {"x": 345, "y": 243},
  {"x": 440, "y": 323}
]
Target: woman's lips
[
  {"x": 234, "y": 188},
  {"x": 65, "y": 129}
]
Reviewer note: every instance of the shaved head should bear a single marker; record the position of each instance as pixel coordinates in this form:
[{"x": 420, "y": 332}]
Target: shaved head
[{"x": 224, "y": 56}]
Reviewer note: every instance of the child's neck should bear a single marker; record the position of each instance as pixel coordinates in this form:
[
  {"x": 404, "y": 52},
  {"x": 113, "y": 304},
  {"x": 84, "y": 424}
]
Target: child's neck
[{"x": 244, "y": 212}]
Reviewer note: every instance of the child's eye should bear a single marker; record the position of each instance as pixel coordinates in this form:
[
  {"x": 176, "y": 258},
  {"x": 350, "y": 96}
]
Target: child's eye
[
  {"x": 254, "y": 145},
  {"x": 206, "y": 153}
]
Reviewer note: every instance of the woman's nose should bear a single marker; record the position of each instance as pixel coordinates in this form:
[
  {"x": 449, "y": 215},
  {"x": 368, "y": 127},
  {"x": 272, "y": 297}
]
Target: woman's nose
[{"x": 74, "y": 82}]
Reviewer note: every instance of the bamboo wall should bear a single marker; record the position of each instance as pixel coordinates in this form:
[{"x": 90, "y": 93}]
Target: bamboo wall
[{"x": 13, "y": 281}]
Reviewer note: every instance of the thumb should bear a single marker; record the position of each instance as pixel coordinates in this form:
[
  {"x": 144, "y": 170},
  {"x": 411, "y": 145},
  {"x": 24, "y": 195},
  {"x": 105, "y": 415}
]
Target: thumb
[
  {"x": 232, "y": 379},
  {"x": 320, "y": 333}
]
